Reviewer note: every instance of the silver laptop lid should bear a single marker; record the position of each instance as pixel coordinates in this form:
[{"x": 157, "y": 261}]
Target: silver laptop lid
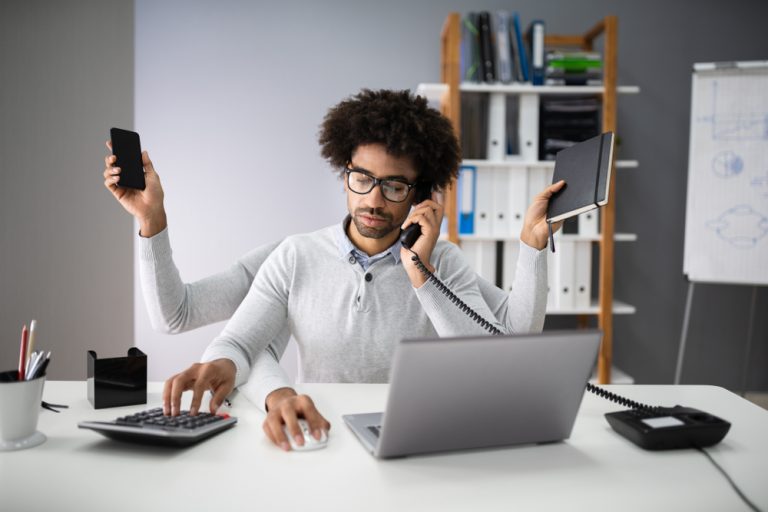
[{"x": 460, "y": 393}]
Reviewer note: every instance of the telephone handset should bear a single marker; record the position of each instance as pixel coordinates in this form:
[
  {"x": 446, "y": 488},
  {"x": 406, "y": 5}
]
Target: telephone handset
[
  {"x": 412, "y": 233},
  {"x": 650, "y": 427}
]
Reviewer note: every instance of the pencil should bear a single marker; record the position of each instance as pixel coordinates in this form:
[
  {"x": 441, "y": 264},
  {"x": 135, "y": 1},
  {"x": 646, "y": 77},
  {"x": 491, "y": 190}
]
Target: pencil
[{"x": 23, "y": 351}]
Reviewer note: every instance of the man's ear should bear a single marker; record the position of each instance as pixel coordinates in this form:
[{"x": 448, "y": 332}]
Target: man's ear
[{"x": 438, "y": 196}]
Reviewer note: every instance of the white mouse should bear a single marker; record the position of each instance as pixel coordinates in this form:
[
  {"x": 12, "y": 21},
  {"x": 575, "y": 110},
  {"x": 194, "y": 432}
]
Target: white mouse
[{"x": 310, "y": 443}]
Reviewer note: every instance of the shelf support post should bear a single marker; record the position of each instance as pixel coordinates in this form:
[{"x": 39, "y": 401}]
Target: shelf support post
[{"x": 608, "y": 214}]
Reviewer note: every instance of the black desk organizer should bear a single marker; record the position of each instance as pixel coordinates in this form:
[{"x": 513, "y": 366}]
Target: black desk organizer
[{"x": 117, "y": 381}]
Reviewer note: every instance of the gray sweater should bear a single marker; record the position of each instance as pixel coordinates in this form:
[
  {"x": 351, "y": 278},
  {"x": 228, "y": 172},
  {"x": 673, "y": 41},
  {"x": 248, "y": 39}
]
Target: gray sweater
[{"x": 346, "y": 325}]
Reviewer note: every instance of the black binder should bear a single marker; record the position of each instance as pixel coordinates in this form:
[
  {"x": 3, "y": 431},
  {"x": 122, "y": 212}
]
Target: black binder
[{"x": 487, "y": 53}]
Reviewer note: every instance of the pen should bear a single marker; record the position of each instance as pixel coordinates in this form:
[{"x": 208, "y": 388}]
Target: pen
[
  {"x": 31, "y": 347},
  {"x": 23, "y": 351},
  {"x": 32, "y": 364},
  {"x": 41, "y": 369}
]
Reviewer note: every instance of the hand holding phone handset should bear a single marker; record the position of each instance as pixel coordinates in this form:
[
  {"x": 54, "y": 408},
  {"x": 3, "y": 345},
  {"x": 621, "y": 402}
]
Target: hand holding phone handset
[
  {"x": 412, "y": 231},
  {"x": 422, "y": 228}
]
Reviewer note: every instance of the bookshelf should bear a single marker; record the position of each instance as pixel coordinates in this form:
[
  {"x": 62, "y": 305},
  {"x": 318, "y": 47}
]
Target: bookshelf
[{"x": 448, "y": 94}]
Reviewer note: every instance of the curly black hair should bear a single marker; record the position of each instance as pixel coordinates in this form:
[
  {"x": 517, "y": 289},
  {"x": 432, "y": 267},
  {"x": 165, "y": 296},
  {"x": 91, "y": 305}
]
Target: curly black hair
[{"x": 402, "y": 122}]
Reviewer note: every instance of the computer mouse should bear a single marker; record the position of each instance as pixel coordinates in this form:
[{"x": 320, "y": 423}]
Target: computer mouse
[{"x": 310, "y": 443}]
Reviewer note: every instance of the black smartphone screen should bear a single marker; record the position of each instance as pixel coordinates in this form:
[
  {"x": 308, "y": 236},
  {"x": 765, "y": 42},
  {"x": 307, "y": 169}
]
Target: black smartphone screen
[{"x": 127, "y": 148}]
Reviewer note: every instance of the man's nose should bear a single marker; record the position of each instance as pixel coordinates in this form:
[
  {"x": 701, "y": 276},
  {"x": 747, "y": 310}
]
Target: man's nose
[{"x": 375, "y": 197}]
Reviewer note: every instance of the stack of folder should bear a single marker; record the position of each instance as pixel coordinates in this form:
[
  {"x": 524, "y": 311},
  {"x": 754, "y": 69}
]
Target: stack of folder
[
  {"x": 565, "y": 121},
  {"x": 574, "y": 68}
]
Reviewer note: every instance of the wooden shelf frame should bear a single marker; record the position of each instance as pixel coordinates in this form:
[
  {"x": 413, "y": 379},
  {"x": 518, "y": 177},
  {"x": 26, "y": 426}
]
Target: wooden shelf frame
[{"x": 607, "y": 28}]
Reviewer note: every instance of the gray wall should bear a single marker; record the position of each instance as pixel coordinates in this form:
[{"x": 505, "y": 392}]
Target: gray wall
[
  {"x": 66, "y": 76},
  {"x": 228, "y": 100}
]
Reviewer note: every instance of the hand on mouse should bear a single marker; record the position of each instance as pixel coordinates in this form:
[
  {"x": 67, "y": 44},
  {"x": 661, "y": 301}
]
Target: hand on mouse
[
  {"x": 284, "y": 407},
  {"x": 146, "y": 205}
]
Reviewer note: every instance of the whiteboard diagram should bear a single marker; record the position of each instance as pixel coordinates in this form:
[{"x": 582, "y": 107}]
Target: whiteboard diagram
[
  {"x": 759, "y": 183},
  {"x": 735, "y": 124},
  {"x": 740, "y": 226},
  {"x": 727, "y": 164},
  {"x": 726, "y": 222}
]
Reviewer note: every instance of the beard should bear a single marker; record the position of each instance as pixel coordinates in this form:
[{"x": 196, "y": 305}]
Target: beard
[{"x": 370, "y": 231}]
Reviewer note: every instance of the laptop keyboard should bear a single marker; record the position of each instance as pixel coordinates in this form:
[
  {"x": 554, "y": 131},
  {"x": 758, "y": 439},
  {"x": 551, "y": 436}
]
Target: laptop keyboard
[{"x": 375, "y": 429}]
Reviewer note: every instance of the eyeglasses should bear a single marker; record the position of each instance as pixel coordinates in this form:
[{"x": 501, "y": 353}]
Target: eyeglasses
[{"x": 395, "y": 190}]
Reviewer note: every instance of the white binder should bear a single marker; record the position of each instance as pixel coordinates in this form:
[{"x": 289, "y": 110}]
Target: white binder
[
  {"x": 563, "y": 281},
  {"x": 481, "y": 257},
  {"x": 588, "y": 223},
  {"x": 538, "y": 180},
  {"x": 517, "y": 200},
  {"x": 484, "y": 198},
  {"x": 497, "y": 119},
  {"x": 582, "y": 269},
  {"x": 511, "y": 253},
  {"x": 501, "y": 224},
  {"x": 529, "y": 127}
]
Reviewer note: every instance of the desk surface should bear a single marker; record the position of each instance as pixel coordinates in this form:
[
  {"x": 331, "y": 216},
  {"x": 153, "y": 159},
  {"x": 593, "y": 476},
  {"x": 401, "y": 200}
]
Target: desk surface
[{"x": 239, "y": 469}]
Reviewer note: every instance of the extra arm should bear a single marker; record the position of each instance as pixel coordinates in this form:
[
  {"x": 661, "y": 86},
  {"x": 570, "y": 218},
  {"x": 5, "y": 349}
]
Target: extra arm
[{"x": 175, "y": 306}]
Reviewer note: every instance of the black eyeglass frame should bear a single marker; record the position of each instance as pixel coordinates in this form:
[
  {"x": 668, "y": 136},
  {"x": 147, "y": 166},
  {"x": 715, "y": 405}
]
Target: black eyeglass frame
[{"x": 379, "y": 182}]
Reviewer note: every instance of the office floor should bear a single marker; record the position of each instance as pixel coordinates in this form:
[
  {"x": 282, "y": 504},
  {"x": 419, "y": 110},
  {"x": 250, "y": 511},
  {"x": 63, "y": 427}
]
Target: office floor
[{"x": 760, "y": 399}]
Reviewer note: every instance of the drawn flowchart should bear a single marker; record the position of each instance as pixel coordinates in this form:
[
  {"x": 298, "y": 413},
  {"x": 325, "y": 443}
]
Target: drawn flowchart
[{"x": 740, "y": 226}]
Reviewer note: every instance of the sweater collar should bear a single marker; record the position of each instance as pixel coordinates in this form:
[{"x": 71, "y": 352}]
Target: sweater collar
[{"x": 347, "y": 249}]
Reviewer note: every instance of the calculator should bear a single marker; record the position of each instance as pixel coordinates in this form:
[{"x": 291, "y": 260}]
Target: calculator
[{"x": 152, "y": 427}]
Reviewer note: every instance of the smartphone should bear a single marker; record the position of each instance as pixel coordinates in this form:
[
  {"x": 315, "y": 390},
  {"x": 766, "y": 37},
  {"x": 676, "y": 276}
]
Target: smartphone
[{"x": 127, "y": 148}]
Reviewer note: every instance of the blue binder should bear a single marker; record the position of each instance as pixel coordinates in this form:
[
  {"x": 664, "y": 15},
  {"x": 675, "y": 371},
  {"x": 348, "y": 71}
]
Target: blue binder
[
  {"x": 466, "y": 199},
  {"x": 521, "y": 48}
]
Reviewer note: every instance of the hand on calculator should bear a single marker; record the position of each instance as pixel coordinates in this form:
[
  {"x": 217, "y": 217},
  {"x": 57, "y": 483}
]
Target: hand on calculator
[{"x": 217, "y": 376}]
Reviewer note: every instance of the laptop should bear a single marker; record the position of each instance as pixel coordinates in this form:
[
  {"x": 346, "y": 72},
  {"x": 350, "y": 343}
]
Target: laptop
[{"x": 464, "y": 393}]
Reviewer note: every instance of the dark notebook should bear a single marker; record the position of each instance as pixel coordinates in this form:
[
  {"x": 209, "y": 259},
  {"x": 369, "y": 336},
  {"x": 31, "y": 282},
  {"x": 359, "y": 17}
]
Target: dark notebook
[{"x": 585, "y": 167}]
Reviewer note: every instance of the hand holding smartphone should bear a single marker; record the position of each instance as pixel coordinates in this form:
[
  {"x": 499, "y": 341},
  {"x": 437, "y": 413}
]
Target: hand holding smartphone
[{"x": 127, "y": 148}]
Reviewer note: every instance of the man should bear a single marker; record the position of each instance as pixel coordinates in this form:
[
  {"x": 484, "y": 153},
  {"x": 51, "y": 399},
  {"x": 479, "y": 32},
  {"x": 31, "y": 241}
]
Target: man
[{"x": 349, "y": 292}]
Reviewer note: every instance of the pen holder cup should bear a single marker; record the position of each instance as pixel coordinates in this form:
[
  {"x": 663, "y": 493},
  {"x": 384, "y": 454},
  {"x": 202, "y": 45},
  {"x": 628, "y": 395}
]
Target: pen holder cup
[
  {"x": 19, "y": 410},
  {"x": 117, "y": 381}
]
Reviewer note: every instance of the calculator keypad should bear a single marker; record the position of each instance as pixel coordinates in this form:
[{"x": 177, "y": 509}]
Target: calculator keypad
[{"x": 154, "y": 418}]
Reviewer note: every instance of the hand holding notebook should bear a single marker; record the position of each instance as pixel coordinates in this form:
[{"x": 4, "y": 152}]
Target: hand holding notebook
[
  {"x": 586, "y": 169},
  {"x": 535, "y": 231}
]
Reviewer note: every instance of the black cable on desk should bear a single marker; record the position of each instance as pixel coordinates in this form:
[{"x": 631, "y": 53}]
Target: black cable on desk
[
  {"x": 730, "y": 480},
  {"x": 590, "y": 387}
]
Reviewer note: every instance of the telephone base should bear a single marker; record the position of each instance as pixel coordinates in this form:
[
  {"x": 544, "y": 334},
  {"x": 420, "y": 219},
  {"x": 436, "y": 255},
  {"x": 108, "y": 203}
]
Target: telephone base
[{"x": 669, "y": 428}]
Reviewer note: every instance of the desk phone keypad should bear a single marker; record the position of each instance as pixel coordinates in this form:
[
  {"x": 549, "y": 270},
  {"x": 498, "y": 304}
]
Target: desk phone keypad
[{"x": 153, "y": 427}]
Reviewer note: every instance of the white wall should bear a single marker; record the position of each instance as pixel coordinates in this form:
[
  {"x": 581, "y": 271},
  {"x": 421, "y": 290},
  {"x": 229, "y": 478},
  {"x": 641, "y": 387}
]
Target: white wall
[{"x": 229, "y": 98}]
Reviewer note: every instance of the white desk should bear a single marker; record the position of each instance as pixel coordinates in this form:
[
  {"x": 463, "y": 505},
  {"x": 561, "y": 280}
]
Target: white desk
[{"x": 240, "y": 470}]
